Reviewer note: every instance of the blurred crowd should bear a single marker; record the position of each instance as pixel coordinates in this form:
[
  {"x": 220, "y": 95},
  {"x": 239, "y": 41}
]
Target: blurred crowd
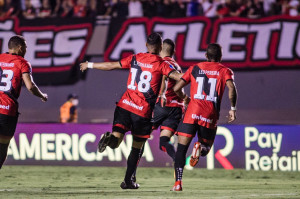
[{"x": 149, "y": 8}]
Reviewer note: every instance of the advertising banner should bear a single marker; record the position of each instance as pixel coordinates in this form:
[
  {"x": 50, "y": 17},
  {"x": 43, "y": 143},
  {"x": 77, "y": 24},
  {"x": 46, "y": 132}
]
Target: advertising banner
[
  {"x": 260, "y": 147},
  {"x": 55, "y": 47},
  {"x": 248, "y": 44}
]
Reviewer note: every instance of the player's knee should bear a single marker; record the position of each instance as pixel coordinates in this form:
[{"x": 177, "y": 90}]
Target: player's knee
[
  {"x": 114, "y": 142},
  {"x": 163, "y": 142},
  {"x": 205, "y": 150},
  {"x": 139, "y": 139}
]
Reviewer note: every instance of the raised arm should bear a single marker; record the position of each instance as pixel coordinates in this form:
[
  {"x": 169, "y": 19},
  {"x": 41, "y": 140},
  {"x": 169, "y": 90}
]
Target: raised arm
[
  {"x": 100, "y": 65},
  {"x": 232, "y": 95},
  {"x": 32, "y": 87}
]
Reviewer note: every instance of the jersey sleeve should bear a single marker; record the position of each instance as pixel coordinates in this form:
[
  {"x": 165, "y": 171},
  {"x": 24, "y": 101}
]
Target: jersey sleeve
[
  {"x": 187, "y": 75},
  {"x": 229, "y": 75},
  {"x": 126, "y": 62},
  {"x": 167, "y": 68},
  {"x": 26, "y": 67}
]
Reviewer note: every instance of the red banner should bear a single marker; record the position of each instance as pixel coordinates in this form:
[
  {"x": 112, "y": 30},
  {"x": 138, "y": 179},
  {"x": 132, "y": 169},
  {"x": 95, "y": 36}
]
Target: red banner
[{"x": 267, "y": 43}]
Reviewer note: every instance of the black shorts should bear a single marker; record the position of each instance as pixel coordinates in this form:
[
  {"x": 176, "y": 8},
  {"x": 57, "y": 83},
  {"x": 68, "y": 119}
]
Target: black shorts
[
  {"x": 205, "y": 135},
  {"x": 125, "y": 121},
  {"x": 166, "y": 117},
  {"x": 8, "y": 125}
]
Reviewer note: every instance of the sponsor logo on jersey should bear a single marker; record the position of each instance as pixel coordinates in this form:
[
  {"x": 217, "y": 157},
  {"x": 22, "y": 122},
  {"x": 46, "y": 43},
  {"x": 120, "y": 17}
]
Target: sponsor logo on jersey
[
  {"x": 132, "y": 104},
  {"x": 4, "y": 107},
  {"x": 200, "y": 117}
]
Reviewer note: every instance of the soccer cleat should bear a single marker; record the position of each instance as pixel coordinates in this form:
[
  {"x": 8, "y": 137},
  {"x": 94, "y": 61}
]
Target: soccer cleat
[
  {"x": 131, "y": 185},
  {"x": 177, "y": 186},
  {"x": 195, "y": 154},
  {"x": 103, "y": 142}
]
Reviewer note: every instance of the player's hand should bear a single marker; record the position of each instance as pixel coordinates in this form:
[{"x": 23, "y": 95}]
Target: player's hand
[
  {"x": 186, "y": 101},
  {"x": 163, "y": 100},
  {"x": 83, "y": 66},
  {"x": 45, "y": 97},
  {"x": 232, "y": 116}
]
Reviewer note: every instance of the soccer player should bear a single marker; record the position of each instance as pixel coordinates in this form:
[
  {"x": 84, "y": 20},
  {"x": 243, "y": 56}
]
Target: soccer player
[
  {"x": 134, "y": 110},
  {"x": 14, "y": 70},
  {"x": 168, "y": 111},
  {"x": 208, "y": 80}
]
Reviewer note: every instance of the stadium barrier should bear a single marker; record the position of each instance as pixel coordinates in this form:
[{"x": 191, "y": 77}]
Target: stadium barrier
[{"x": 260, "y": 147}]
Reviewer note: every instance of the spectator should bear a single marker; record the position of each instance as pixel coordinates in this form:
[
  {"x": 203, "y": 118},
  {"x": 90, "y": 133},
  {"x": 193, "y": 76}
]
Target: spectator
[
  {"x": 45, "y": 10},
  {"x": 9, "y": 8},
  {"x": 256, "y": 9},
  {"x": 223, "y": 9},
  {"x": 276, "y": 8},
  {"x": 193, "y": 8},
  {"x": 210, "y": 8},
  {"x": 150, "y": 8},
  {"x": 66, "y": 9},
  {"x": 167, "y": 7},
  {"x": 178, "y": 8},
  {"x": 68, "y": 111},
  {"x": 80, "y": 8},
  {"x": 268, "y": 6},
  {"x": 135, "y": 8},
  {"x": 29, "y": 12},
  {"x": 93, "y": 8},
  {"x": 120, "y": 9},
  {"x": 293, "y": 7}
]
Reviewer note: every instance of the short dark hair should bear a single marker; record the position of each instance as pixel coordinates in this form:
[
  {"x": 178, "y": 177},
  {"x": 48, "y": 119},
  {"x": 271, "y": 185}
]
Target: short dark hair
[
  {"x": 154, "y": 39},
  {"x": 214, "y": 52},
  {"x": 16, "y": 41},
  {"x": 170, "y": 49}
]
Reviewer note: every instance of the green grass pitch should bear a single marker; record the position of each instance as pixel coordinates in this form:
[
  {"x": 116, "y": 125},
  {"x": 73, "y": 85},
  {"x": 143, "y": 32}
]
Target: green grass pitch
[{"x": 103, "y": 182}]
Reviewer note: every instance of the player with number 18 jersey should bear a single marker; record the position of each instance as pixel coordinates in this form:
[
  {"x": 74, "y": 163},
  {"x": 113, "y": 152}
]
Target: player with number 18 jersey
[{"x": 143, "y": 83}]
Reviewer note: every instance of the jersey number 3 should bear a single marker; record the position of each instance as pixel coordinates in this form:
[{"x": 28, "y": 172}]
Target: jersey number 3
[
  {"x": 143, "y": 83},
  {"x": 212, "y": 82},
  {"x": 5, "y": 80}
]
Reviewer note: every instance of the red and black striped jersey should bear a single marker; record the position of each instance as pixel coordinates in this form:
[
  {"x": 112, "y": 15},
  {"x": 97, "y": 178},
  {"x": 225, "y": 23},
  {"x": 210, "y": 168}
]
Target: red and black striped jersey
[
  {"x": 143, "y": 83},
  {"x": 208, "y": 80},
  {"x": 172, "y": 99},
  {"x": 11, "y": 69}
]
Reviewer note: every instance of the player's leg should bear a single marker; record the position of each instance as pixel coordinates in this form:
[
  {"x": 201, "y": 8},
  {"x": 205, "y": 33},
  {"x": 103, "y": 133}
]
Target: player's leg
[
  {"x": 132, "y": 163},
  {"x": 141, "y": 130},
  {"x": 164, "y": 143},
  {"x": 206, "y": 139},
  {"x": 7, "y": 130},
  {"x": 168, "y": 128},
  {"x": 185, "y": 132},
  {"x": 121, "y": 125}
]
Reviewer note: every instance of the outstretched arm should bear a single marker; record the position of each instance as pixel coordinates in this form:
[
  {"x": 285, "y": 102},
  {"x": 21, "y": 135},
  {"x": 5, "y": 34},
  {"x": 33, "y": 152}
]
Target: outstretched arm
[
  {"x": 100, "y": 65},
  {"x": 232, "y": 94},
  {"x": 32, "y": 87}
]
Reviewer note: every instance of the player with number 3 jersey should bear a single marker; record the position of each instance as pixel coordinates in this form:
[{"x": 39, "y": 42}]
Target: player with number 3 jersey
[{"x": 14, "y": 70}]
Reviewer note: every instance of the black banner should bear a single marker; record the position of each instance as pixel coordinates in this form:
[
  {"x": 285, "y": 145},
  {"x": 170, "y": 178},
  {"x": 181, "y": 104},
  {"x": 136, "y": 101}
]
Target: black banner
[{"x": 55, "y": 46}]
